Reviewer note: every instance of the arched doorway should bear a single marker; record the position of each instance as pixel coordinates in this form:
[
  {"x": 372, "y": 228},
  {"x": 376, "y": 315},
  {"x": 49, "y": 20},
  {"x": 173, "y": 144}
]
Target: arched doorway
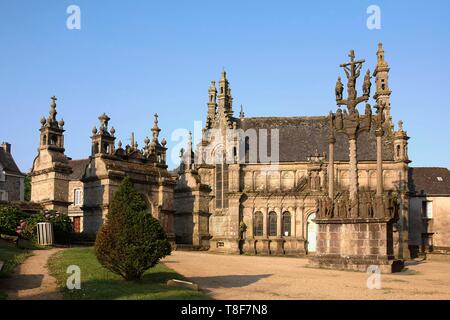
[{"x": 311, "y": 233}]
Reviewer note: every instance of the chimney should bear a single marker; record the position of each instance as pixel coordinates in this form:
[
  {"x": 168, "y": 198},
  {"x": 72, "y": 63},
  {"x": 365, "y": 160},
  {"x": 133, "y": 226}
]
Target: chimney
[{"x": 6, "y": 146}]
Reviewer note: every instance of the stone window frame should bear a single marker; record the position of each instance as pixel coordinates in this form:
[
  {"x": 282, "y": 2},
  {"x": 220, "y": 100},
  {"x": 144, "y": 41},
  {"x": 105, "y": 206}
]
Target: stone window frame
[
  {"x": 273, "y": 224},
  {"x": 258, "y": 224},
  {"x": 286, "y": 226}
]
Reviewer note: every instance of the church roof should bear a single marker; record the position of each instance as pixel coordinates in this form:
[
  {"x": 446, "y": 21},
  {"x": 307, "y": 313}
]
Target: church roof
[
  {"x": 429, "y": 181},
  {"x": 78, "y": 168},
  {"x": 8, "y": 163},
  {"x": 301, "y": 137}
]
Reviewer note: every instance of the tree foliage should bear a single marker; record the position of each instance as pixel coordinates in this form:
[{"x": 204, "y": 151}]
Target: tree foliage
[{"x": 131, "y": 241}]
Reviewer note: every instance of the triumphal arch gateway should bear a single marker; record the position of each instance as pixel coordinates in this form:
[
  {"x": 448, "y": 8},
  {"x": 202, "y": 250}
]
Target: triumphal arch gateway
[{"x": 333, "y": 186}]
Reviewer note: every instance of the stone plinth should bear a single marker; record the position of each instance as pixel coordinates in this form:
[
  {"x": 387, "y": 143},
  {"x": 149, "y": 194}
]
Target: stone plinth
[{"x": 356, "y": 244}]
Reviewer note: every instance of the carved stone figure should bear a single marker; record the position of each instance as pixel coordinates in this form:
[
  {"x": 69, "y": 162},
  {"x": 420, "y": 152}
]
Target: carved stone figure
[
  {"x": 367, "y": 84},
  {"x": 339, "y": 89}
]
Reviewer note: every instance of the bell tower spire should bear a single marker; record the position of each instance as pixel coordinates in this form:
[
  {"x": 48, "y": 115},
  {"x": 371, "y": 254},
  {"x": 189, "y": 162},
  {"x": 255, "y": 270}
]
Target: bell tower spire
[
  {"x": 225, "y": 108},
  {"x": 212, "y": 104},
  {"x": 383, "y": 93}
]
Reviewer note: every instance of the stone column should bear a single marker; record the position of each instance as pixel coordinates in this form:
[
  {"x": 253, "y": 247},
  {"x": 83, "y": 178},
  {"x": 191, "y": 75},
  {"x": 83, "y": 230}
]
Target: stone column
[
  {"x": 332, "y": 140},
  {"x": 379, "y": 196},
  {"x": 265, "y": 217},
  {"x": 279, "y": 224},
  {"x": 353, "y": 169}
]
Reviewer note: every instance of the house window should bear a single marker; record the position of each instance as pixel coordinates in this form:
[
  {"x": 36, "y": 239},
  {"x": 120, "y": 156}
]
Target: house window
[
  {"x": 2, "y": 174},
  {"x": 3, "y": 195},
  {"x": 258, "y": 224},
  {"x": 287, "y": 224},
  {"x": 272, "y": 224},
  {"x": 77, "y": 197},
  {"x": 427, "y": 209}
]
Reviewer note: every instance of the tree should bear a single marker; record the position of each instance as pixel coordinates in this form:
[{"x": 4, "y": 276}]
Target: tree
[{"x": 131, "y": 241}]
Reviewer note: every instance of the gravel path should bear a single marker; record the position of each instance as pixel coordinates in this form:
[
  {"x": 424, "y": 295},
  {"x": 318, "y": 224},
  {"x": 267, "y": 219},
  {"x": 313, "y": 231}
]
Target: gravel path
[
  {"x": 255, "y": 277},
  {"x": 31, "y": 281}
]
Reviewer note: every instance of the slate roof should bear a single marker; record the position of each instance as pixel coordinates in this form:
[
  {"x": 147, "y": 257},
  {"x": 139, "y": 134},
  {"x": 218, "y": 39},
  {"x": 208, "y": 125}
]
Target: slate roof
[
  {"x": 300, "y": 137},
  {"x": 78, "y": 167},
  {"x": 426, "y": 181},
  {"x": 8, "y": 163}
]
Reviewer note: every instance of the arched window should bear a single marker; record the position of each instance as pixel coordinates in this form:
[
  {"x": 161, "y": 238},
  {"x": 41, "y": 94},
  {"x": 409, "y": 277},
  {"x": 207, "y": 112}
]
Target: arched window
[
  {"x": 398, "y": 151},
  {"x": 287, "y": 224},
  {"x": 258, "y": 224},
  {"x": 272, "y": 224},
  {"x": 221, "y": 185},
  {"x": 52, "y": 140}
]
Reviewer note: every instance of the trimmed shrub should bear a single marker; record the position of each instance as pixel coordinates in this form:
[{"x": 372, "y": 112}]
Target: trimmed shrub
[{"x": 131, "y": 241}]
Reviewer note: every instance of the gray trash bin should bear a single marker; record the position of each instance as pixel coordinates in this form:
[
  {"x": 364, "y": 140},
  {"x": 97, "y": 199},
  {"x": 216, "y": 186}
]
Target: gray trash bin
[{"x": 45, "y": 233}]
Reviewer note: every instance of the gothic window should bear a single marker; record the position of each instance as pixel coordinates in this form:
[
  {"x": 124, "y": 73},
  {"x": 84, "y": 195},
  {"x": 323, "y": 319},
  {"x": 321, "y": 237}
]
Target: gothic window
[
  {"x": 398, "y": 151},
  {"x": 221, "y": 184},
  {"x": 258, "y": 224},
  {"x": 383, "y": 85},
  {"x": 272, "y": 224},
  {"x": 44, "y": 140},
  {"x": 286, "y": 224}
]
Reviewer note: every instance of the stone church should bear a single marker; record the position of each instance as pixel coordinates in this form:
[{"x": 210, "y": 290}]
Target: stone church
[
  {"x": 297, "y": 185},
  {"x": 334, "y": 186}
]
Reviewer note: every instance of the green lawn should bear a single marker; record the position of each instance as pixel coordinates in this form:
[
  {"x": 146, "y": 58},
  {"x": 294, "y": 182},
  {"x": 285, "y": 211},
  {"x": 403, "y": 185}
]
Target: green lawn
[
  {"x": 12, "y": 257},
  {"x": 97, "y": 283}
]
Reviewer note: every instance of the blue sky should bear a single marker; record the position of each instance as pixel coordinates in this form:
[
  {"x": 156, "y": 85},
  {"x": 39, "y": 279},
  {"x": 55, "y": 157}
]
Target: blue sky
[{"x": 134, "y": 58}]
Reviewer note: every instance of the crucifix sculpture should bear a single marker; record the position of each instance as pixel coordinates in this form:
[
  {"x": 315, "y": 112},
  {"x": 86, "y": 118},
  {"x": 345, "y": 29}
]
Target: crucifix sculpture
[
  {"x": 352, "y": 70},
  {"x": 350, "y": 120}
]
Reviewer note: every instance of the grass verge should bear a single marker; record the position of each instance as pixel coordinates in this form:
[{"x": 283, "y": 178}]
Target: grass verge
[
  {"x": 97, "y": 283},
  {"x": 12, "y": 257}
]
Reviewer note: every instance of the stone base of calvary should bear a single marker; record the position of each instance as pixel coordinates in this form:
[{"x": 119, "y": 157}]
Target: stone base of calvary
[{"x": 358, "y": 228}]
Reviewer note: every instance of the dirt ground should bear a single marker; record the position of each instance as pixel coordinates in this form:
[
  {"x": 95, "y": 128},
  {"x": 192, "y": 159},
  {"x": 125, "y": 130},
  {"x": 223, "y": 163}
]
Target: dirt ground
[
  {"x": 31, "y": 281},
  {"x": 255, "y": 277}
]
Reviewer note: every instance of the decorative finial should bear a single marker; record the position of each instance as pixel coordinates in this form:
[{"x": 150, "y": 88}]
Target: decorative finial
[
  {"x": 61, "y": 123},
  {"x": 155, "y": 129},
  {"x": 146, "y": 141},
  {"x": 242, "y": 114},
  {"x": 43, "y": 121},
  {"x": 119, "y": 144},
  {"x": 94, "y": 130},
  {"x": 400, "y": 125},
  {"x": 104, "y": 119},
  {"x": 112, "y": 131},
  {"x": 164, "y": 142},
  {"x": 52, "y": 113}
]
